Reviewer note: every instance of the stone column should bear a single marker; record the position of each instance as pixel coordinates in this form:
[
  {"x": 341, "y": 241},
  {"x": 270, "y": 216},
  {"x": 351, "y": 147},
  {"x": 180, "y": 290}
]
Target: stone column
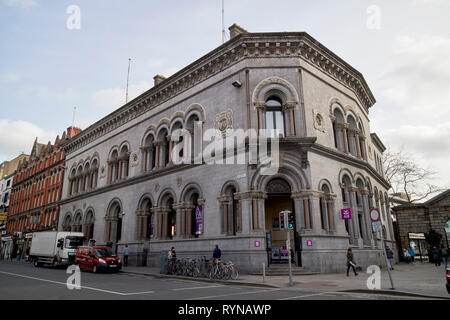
[
  {"x": 355, "y": 218},
  {"x": 344, "y": 137},
  {"x": 139, "y": 225},
  {"x": 357, "y": 145},
  {"x": 250, "y": 217},
  {"x": 157, "y": 147},
  {"x": 302, "y": 207},
  {"x": 367, "y": 221},
  {"x": 225, "y": 202},
  {"x": 329, "y": 200},
  {"x": 363, "y": 147},
  {"x": 170, "y": 148},
  {"x": 179, "y": 207}
]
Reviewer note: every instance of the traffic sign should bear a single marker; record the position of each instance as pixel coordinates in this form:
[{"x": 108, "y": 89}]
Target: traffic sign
[
  {"x": 374, "y": 215},
  {"x": 377, "y": 226}
]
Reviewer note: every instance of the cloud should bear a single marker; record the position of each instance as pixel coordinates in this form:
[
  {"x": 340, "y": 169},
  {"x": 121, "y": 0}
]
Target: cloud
[
  {"x": 19, "y": 136},
  {"x": 417, "y": 84},
  {"x": 114, "y": 98},
  {"x": 428, "y": 144},
  {"x": 20, "y": 3},
  {"x": 11, "y": 78}
]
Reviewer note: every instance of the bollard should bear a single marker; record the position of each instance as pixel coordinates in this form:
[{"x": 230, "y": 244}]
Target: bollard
[{"x": 264, "y": 272}]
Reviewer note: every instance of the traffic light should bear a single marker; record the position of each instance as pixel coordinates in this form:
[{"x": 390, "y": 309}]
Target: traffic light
[
  {"x": 291, "y": 220},
  {"x": 282, "y": 220}
]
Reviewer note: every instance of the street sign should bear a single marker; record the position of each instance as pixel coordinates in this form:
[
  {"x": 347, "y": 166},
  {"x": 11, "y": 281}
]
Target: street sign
[
  {"x": 346, "y": 213},
  {"x": 374, "y": 215},
  {"x": 377, "y": 226}
]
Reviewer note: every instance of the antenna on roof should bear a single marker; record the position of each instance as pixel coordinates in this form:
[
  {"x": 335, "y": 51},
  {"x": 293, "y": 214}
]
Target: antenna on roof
[
  {"x": 128, "y": 78},
  {"x": 73, "y": 118},
  {"x": 223, "y": 21}
]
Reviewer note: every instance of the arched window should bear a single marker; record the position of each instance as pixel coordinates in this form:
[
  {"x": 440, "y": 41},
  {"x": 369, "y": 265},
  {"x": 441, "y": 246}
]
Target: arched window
[
  {"x": 148, "y": 151},
  {"x": 340, "y": 139},
  {"x": 195, "y": 143},
  {"x": 274, "y": 117},
  {"x": 124, "y": 163},
  {"x": 113, "y": 167}
]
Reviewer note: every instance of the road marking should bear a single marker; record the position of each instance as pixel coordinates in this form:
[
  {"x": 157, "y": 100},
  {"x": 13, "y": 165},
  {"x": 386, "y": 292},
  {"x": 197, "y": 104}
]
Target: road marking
[
  {"x": 194, "y": 288},
  {"x": 233, "y": 294},
  {"x": 304, "y": 296},
  {"x": 65, "y": 284}
]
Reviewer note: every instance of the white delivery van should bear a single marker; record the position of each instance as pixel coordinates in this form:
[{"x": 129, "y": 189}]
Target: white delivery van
[{"x": 55, "y": 248}]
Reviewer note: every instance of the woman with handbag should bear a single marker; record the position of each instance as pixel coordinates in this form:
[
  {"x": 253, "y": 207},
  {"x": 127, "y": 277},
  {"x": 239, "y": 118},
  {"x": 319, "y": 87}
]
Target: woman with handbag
[{"x": 351, "y": 262}]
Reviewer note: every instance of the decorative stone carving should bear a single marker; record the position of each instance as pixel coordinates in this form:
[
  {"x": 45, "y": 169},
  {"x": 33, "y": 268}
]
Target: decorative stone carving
[
  {"x": 134, "y": 159},
  {"x": 319, "y": 121},
  {"x": 102, "y": 172},
  {"x": 179, "y": 181},
  {"x": 156, "y": 187},
  {"x": 223, "y": 123}
]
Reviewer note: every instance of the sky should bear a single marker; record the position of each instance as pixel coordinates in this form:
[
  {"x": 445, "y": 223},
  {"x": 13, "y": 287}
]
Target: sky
[{"x": 57, "y": 55}]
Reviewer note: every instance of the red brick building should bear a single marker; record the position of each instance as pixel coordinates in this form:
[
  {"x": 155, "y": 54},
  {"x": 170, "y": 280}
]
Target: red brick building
[{"x": 36, "y": 190}]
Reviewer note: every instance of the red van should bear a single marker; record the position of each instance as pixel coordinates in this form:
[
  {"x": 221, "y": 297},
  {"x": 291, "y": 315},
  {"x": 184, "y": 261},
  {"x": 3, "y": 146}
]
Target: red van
[{"x": 97, "y": 258}]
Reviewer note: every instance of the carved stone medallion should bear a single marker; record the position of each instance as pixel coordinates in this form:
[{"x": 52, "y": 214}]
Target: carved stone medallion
[
  {"x": 319, "y": 121},
  {"x": 156, "y": 187},
  {"x": 179, "y": 181},
  {"x": 134, "y": 159},
  {"x": 223, "y": 123},
  {"x": 102, "y": 172}
]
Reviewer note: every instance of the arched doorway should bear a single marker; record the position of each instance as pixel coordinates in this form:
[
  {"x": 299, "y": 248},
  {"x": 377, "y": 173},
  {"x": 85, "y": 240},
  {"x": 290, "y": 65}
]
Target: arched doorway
[
  {"x": 278, "y": 199},
  {"x": 114, "y": 224}
]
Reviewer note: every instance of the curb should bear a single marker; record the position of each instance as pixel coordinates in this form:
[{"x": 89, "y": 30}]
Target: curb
[
  {"x": 225, "y": 282},
  {"x": 395, "y": 293}
]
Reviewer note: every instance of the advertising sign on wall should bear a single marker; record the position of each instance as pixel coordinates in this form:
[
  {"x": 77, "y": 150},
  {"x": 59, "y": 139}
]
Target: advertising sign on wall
[{"x": 199, "y": 220}]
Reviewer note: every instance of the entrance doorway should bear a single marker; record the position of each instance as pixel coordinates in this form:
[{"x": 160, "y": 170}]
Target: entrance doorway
[{"x": 279, "y": 199}]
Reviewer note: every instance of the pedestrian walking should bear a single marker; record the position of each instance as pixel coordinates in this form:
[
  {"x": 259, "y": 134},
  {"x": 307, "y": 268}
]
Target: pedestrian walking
[
  {"x": 19, "y": 253},
  {"x": 126, "y": 252},
  {"x": 436, "y": 258},
  {"x": 444, "y": 254},
  {"x": 390, "y": 256},
  {"x": 351, "y": 262},
  {"x": 412, "y": 254},
  {"x": 217, "y": 254}
]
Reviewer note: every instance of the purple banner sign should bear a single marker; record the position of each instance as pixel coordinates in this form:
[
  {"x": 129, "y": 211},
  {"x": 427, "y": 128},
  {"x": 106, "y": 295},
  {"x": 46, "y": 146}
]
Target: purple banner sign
[
  {"x": 346, "y": 213},
  {"x": 199, "y": 220},
  {"x": 152, "y": 221}
]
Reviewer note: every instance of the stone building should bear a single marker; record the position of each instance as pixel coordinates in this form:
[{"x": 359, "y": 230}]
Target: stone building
[
  {"x": 123, "y": 185},
  {"x": 36, "y": 190},
  {"x": 413, "y": 221}
]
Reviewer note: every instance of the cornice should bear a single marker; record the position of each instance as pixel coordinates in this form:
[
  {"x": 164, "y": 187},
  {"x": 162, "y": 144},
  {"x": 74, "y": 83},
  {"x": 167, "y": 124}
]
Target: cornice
[
  {"x": 338, "y": 155},
  {"x": 244, "y": 46}
]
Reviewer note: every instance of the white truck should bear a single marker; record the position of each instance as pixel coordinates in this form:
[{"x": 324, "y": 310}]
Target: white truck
[{"x": 55, "y": 248}]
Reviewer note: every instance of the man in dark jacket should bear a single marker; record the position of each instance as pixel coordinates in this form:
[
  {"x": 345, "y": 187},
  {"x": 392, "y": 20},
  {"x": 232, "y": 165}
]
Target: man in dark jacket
[{"x": 217, "y": 253}]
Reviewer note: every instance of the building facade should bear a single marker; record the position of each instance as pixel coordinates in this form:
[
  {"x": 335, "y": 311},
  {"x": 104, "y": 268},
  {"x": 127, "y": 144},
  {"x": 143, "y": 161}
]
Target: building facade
[
  {"x": 124, "y": 186},
  {"x": 413, "y": 221},
  {"x": 36, "y": 190}
]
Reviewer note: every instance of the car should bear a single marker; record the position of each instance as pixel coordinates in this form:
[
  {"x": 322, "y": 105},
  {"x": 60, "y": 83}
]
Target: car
[
  {"x": 97, "y": 258},
  {"x": 448, "y": 280}
]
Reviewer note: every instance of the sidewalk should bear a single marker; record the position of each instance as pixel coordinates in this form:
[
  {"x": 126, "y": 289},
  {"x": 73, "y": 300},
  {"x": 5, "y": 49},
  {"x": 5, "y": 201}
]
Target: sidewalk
[{"x": 420, "y": 279}]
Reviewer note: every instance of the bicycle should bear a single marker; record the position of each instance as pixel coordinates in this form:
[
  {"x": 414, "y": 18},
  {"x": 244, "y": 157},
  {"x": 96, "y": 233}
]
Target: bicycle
[{"x": 218, "y": 271}]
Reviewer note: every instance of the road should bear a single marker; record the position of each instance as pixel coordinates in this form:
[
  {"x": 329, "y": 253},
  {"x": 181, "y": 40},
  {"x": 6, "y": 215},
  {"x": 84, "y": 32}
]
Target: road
[{"x": 21, "y": 280}]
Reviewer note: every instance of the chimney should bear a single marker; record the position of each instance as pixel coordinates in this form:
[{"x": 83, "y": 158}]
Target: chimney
[
  {"x": 236, "y": 30},
  {"x": 73, "y": 131},
  {"x": 158, "y": 79}
]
